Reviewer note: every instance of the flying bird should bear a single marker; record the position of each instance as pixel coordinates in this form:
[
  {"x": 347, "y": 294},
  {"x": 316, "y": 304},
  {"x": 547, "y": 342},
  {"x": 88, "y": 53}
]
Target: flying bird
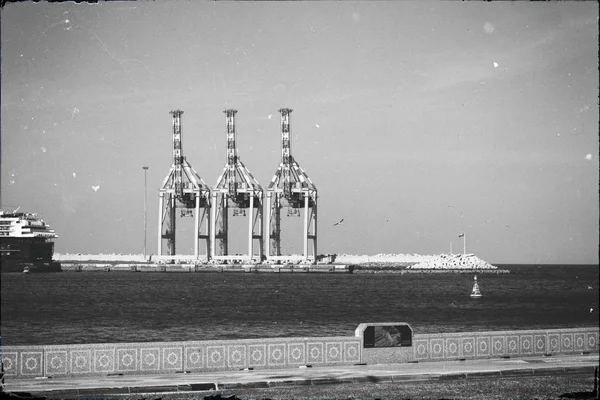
[
  {"x": 95, "y": 188},
  {"x": 337, "y": 223}
]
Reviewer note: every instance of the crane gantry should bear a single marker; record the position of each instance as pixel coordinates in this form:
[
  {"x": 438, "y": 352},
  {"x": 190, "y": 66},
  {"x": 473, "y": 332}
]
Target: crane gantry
[
  {"x": 290, "y": 187},
  {"x": 236, "y": 188},
  {"x": 182, "y": 188}
]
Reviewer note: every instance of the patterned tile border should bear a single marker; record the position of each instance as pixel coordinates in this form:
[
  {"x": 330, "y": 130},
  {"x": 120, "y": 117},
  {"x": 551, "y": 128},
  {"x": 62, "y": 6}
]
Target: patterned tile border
[
  {"x": 150, "y": 359},
  {"x": 351, "y": 352},
  {"x": 215, "y": 356},
  {"x": 296, "y": 353},
  {"x": 315, "y": 353},
  {"x": 194, "y": 357},
  {"x": 56, "y": 362},
  {"x": 31, "y": 363},
  {"x": 257, "y": 355},
  {"x": 171, "y": 357},
  {"x": 104, "y": 361},
  {"x": 236, "y": 356},
  {"x": 452, "y": 346},
  {"x": 333, "y": 352}
]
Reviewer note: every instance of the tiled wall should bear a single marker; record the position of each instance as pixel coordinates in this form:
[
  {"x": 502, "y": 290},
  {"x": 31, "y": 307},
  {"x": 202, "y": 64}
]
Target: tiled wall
[
  {"x": 469, "y": 345},
  {"x": 171, "y": 357}
]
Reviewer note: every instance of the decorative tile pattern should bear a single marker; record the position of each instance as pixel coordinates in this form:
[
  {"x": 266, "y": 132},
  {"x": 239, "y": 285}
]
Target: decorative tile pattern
[
  {"x": 172, "y": 359},
  {"x": 527, "y": 344},
  {"x": 215, "y": 356},
  {"x": 257, "y": 355},
  {"x": 539, "y": 344},
  {"x": 512, "y": 345},
  {"x": 566, "y": 341},
  {"x": 498, "y": 345},
  {"x": 579, "y": 341},
  {"x": 333, "y": 352},
  {"x": 469, "y": 347},
  {"x": 9, "y": 360},
  {"x": 81, "y": 361},
  {"x": 104, "y": 360},
  {"x": 315, "y": 353},
  {"x": 56, "y": 363},
  {"x": 296, "y": 353},
  {"x": 436, "y": 348},
  {"x": 352, "y": 352},
  {"x": 553, "y": 343},
  {"x": 236, "y": 356},
  {"x": 276, "y": 354},
  {"x": 127, "y": 360},
  {"x": 31, "y": 363},
  {"x": 452, "y": 346},
  {"x": 421, "y": 346},
  {"x": 150, "y": 359},
  {"x": 483, "y": 346},
  {"x": 139, "y": 358},
  {"x": 194, "y": 357},
  {"x": 592, "y": 341}
]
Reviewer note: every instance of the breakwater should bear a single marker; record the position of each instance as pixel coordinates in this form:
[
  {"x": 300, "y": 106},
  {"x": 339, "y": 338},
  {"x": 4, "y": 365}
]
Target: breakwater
[
  {"x": 379, "y": 264},
  {"x": 293, "y": 352},
  {"x": 259, "y": 268}
]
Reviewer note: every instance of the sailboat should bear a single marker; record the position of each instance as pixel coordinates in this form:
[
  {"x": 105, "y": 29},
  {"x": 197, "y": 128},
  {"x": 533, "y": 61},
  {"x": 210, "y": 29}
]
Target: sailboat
[{"x": 475, "y": 293}]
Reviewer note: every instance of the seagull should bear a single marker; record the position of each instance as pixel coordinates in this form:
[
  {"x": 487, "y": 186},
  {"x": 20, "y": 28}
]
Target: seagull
[
  {"x": 337, "y": 223},
  {"x": 95, "y": 188}
]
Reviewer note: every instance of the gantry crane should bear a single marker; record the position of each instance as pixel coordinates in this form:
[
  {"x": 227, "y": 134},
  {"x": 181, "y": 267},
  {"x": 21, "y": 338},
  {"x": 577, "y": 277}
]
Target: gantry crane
[
  {"x": 183, "y": 188},
  {"x": 236, "y": 188},
  {"x": 290, "y": 187}
]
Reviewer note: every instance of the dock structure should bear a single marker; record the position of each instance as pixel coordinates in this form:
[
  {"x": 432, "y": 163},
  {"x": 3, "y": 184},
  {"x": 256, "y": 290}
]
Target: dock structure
[
  {"x": 236, "y": 188},
  {"x": 182, "y": 189},
  {"x": 292, "y": 188}
]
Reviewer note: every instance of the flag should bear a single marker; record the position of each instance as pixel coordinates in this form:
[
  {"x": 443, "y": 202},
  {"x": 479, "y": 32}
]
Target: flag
[{"x": 461, "y": 235}]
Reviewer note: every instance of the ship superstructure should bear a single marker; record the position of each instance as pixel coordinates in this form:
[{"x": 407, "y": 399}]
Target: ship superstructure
[{"x": 26, "y": 241}]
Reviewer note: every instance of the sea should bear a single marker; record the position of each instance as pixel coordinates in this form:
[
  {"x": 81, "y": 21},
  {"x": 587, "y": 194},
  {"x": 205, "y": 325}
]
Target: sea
[{"x": 102, "y": 307}]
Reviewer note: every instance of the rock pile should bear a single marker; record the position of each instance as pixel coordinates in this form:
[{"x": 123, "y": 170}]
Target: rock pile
[{"x": 453, "y": 262}]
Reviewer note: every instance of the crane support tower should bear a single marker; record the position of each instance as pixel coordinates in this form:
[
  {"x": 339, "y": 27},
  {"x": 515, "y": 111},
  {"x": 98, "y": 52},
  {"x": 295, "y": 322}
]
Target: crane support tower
[
  {"x": 235, "y": 188},
  {"x": 290, "y": 187},
  {"x": 183, "y": 188}
]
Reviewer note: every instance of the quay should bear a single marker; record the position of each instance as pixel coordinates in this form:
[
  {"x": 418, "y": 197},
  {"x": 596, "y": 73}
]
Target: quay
[{"x": 220, "y": 268}]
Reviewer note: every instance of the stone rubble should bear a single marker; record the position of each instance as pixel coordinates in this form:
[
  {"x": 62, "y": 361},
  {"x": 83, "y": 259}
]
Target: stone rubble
[{"x": 453, "y": 262}]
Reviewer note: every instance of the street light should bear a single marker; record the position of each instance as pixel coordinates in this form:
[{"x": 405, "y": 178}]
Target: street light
[{"x": 145, "y": 210}]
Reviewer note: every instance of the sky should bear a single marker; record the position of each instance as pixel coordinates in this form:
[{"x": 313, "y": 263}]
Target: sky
[{"x": 417, "y": 121}]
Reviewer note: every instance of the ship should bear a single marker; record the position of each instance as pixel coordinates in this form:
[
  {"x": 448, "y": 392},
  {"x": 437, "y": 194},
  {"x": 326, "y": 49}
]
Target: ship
[{"x": 26, "y": 244}]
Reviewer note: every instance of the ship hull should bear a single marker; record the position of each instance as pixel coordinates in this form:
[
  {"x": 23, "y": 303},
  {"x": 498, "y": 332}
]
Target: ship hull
[{"x": 18, "y": 253}]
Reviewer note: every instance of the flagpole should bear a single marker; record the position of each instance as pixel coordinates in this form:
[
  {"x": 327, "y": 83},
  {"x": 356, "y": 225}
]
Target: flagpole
[
  {"x": 450, "y": 247},
  {"x": 464, "y": 243}
]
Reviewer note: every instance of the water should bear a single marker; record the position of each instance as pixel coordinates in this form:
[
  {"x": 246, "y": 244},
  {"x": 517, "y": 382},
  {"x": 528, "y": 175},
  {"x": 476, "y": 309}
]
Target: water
[{"x": 99, "y": 307}]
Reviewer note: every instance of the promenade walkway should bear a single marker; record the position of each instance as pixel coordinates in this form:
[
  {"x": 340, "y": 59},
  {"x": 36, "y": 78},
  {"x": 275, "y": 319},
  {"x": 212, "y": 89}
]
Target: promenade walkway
[{"x": 411, "y": 372}]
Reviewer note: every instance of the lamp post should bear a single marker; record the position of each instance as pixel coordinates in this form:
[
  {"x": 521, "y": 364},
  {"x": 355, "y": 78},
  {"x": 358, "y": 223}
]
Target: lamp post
[{"x": 145, "y": 209}]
